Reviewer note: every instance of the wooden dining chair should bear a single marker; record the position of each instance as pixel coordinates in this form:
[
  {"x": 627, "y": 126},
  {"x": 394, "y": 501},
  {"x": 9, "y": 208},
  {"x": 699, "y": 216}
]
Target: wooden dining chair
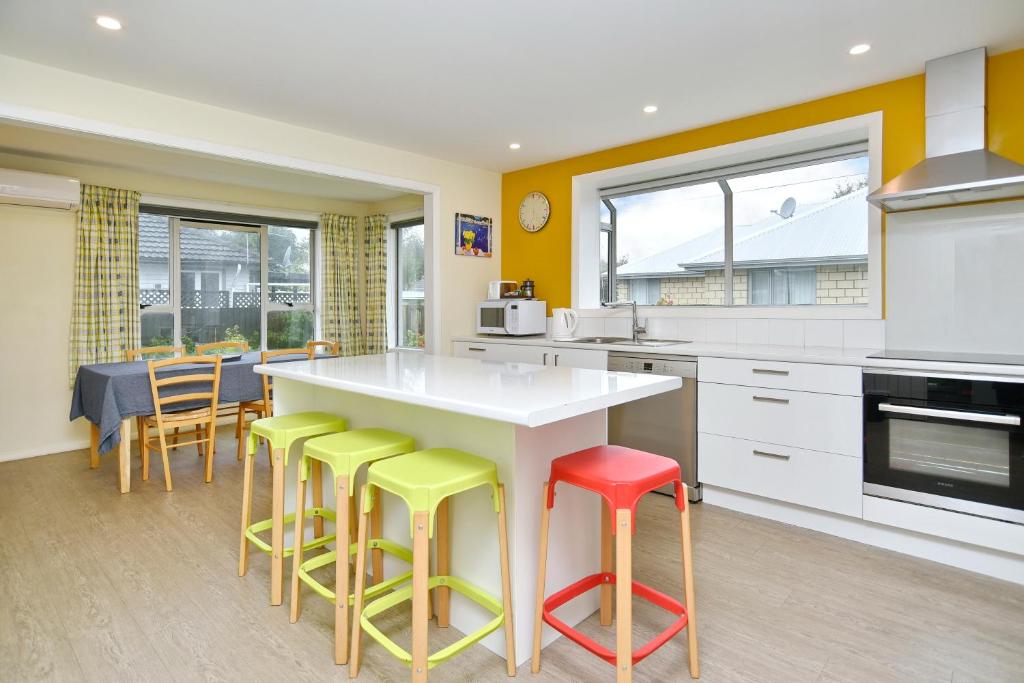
[
  {"x": 156, "y": 352},
  {"x": 329, "y": 347},
  {"x": 263, "y": 407},
  {"x": 202, "y": 386},
  {"x": 222, "y": 347}
]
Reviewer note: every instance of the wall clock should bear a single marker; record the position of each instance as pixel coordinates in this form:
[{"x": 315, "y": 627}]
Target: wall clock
[{"x": 534, "y": 211}]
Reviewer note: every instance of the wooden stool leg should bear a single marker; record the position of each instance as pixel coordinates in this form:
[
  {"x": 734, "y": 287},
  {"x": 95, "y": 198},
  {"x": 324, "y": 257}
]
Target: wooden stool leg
[
  {"x": 607, "y": 563},
  {"x": 506, "y": 585},
  {"x": 357, "y": 605},
  {"x": 376, "y": 531},
  {"x": 690, "y": 600},
  {"x": 318, "y": 499},
  {"x": 300, "y": 538},
  {"x": 623, "y": 596},
  {"x": 542, "y": 564},
  {"x": 277, "y": 530},
  {"x": 420, "y": 594},
  {"x": 94, "y": 446},
  {"x": 243, "y": 547},
  {"x": 353, "y": 520},
  {"x": 341, "y": 587},
  {"x": 444, "y": 558}
]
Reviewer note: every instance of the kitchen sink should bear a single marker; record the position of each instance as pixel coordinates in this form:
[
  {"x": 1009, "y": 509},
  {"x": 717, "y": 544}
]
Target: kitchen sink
[{"x": 627, "y": 341}]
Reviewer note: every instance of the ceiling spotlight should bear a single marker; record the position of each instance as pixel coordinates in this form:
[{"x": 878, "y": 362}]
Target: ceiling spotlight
[
  {"x": 650, "y": 109},
  {"x": 859, "y": 49},
  {"x": 514, "y": 145},
  {"x": 109, "y": 23}
]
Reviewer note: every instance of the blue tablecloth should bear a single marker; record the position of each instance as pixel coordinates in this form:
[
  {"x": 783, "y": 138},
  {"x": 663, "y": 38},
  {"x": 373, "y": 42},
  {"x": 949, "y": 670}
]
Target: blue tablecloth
[{"x": 107, "y": 393}]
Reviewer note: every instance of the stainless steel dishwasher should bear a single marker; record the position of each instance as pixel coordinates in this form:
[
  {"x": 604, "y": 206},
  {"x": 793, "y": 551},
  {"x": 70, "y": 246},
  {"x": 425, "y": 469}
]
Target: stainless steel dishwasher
[{"x": 665, "y": 424}]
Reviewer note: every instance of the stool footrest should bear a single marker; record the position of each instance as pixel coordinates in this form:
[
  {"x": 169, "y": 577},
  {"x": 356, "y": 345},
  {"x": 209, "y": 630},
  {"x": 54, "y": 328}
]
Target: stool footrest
[
  {"x": 587, "y": 583},
  {"x": 458, "y": 585},
  {"x": 329, "y": 558},
  {"x": 265, "y": 525}
]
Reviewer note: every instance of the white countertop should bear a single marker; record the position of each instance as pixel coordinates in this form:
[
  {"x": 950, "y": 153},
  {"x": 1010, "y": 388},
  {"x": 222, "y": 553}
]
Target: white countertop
[
  {"x": 520, "y": 393},
  {"x": 826, "y": 355}
]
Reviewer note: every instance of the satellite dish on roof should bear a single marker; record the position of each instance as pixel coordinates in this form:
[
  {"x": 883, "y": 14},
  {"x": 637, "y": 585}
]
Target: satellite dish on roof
[{"x": 787, "y": 209}]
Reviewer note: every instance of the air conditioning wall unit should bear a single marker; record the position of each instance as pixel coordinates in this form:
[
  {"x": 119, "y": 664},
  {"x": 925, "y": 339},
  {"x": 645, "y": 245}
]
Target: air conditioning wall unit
[{"x": 23, "y": 188}]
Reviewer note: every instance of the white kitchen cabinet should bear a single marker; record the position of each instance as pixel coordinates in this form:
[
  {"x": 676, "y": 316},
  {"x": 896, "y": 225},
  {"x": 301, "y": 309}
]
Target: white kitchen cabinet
[
  {"x": 825, "y": 379},
  {"x": 826, "y": 481},
  {"x": 530, "y": 353},
  {"x": 818, "y": 422}
]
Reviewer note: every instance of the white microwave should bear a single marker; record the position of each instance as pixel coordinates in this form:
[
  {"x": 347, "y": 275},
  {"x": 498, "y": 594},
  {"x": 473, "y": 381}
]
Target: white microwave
[{"x": 511, "y": 317}]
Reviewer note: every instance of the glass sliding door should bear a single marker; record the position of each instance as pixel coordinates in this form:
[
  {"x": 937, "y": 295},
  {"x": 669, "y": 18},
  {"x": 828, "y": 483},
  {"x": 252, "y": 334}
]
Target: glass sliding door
[{"x": 409, "y": 284}]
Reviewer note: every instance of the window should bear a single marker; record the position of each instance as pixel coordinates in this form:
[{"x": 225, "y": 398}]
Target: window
[
  {"x": 408, "y": 320},
  {"x": 786, "y": 231},
  {"x": 217, "y": 280}
]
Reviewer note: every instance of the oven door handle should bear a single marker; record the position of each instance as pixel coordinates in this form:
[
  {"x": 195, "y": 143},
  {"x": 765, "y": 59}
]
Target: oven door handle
[{"x": 1012, "y": 420}]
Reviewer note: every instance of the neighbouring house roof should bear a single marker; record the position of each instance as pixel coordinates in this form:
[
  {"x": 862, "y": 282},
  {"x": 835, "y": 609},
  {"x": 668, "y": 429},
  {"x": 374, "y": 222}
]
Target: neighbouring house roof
[
  {"x": 199, "y": 247},
  {"x": 827, "y": 232}
]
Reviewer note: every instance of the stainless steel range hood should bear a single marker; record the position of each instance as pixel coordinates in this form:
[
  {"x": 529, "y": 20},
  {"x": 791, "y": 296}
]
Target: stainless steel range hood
[{"x": 958, "y": 169}]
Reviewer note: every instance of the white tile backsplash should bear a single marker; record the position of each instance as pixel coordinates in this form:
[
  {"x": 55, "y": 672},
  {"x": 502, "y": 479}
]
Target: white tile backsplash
[
  {"x": 692, "y": 329},
  {"x": 618, "y": 327},
  {"x": 786, "y": 332},
  {"x": 851, "y": 334},
  {"x": 721, "y": 331},
  {"x": 864, "y": 334},
  {"x": 663, "y": 328},
  {"x": 590, "y": 327},
  {"x": 752, "y": 331},
  {"x": 823, "y": 333}
]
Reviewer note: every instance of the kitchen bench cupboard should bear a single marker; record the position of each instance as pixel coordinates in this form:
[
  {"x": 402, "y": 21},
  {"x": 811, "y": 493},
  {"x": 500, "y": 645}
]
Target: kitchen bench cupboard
[
  {"x": 555, "y": 356},
  {"x": 785, "y": 431}
]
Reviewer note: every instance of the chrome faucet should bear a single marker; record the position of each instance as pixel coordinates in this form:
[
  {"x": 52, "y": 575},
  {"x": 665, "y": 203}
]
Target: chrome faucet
[{"x": 638, "y": 329}]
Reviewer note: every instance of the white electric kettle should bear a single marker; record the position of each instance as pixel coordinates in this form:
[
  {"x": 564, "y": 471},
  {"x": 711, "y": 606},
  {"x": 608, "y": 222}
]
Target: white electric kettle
[{"x": 563, "y": 323}]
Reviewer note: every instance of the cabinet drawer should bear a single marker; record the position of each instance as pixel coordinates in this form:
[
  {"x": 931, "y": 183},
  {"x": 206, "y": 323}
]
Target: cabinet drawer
[
  {"x": 825, "y": 481},
  {"x": 502, "y": 353},
  {"x": 825, "y": 379},
  {"x": 817, "y": 422}
]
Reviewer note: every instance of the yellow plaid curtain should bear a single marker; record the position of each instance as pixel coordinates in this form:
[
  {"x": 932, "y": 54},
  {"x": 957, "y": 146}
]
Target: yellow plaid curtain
[
  {"x": 105, "y": 310},
  {"x": 340, "y": 315},
  {"x": 376, "y": 258}
]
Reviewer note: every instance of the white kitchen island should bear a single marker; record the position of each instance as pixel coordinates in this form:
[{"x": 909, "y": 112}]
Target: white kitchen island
[{"x": 519, "y": 415}]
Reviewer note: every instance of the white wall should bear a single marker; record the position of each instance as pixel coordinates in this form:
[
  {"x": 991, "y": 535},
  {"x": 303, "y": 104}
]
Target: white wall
[
  {"x": 37, "y": 262},
  {"x": 46, "y": 251}
]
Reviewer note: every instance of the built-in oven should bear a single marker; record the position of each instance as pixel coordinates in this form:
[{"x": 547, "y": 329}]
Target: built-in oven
[{"x": 953, "y": 442}]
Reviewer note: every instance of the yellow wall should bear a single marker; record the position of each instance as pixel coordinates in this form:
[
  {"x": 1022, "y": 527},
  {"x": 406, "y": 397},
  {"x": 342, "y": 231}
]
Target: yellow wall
[{"x": 545, "y": 255}]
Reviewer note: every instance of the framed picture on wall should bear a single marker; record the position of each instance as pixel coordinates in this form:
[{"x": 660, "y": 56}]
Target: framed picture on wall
[{"x": 472, "y": 235}]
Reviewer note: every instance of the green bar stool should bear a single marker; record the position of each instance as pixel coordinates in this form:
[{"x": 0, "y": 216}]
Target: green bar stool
[
  {"x": 425, "y": 480},
  {"x": 343, "y": 453},
  {"x": 280, "y": 431}
]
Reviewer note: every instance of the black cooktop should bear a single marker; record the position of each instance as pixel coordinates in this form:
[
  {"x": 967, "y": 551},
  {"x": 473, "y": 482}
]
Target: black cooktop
[{"x": 951, "y": 357}]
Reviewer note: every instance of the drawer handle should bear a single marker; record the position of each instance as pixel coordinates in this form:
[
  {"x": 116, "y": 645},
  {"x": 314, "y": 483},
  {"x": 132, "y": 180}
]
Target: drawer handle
[
  {"x": 765, "y": 371},
  {"x": 766, "y": 454},
  {"x": 475, "y": 348},
  {"x": 771, "y": 399}
]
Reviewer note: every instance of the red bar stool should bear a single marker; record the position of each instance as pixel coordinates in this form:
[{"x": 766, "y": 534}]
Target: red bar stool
[{"x": 621, "y": 476}]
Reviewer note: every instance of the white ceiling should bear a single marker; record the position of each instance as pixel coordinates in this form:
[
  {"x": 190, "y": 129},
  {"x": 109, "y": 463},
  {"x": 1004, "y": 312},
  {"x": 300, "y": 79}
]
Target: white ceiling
[
  {"x": 460, "y": 79},
  {"x": 130, "y": 156}
]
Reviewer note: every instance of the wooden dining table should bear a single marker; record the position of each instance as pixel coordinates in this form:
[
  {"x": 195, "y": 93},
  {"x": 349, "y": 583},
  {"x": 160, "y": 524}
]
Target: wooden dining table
[{"x": 111, "y": 395}]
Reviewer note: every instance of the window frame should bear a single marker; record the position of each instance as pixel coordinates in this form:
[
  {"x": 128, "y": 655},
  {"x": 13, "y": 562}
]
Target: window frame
[
  {"x": 586, "y": 201},
  {"x": 722, "y": 176},
  {"x": 395, "y": 225},
  {"x": 176, "y": 222}
]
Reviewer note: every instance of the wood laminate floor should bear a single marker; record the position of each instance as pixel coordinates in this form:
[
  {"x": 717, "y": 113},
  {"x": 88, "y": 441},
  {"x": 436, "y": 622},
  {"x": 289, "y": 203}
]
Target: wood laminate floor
[{"x": 97, "y": 586}]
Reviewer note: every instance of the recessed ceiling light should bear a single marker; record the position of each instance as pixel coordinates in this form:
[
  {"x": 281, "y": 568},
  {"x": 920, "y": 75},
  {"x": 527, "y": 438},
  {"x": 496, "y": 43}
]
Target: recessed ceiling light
[
  {"x": 859, "y": 49},
  {"x": 109, "y": 23},
  {"x": 650, "y": 109},
  {"x": 514, "y": 145}
]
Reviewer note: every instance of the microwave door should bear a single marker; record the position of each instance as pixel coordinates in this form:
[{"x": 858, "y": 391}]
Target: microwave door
[{"x": 492, "y": 318}]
